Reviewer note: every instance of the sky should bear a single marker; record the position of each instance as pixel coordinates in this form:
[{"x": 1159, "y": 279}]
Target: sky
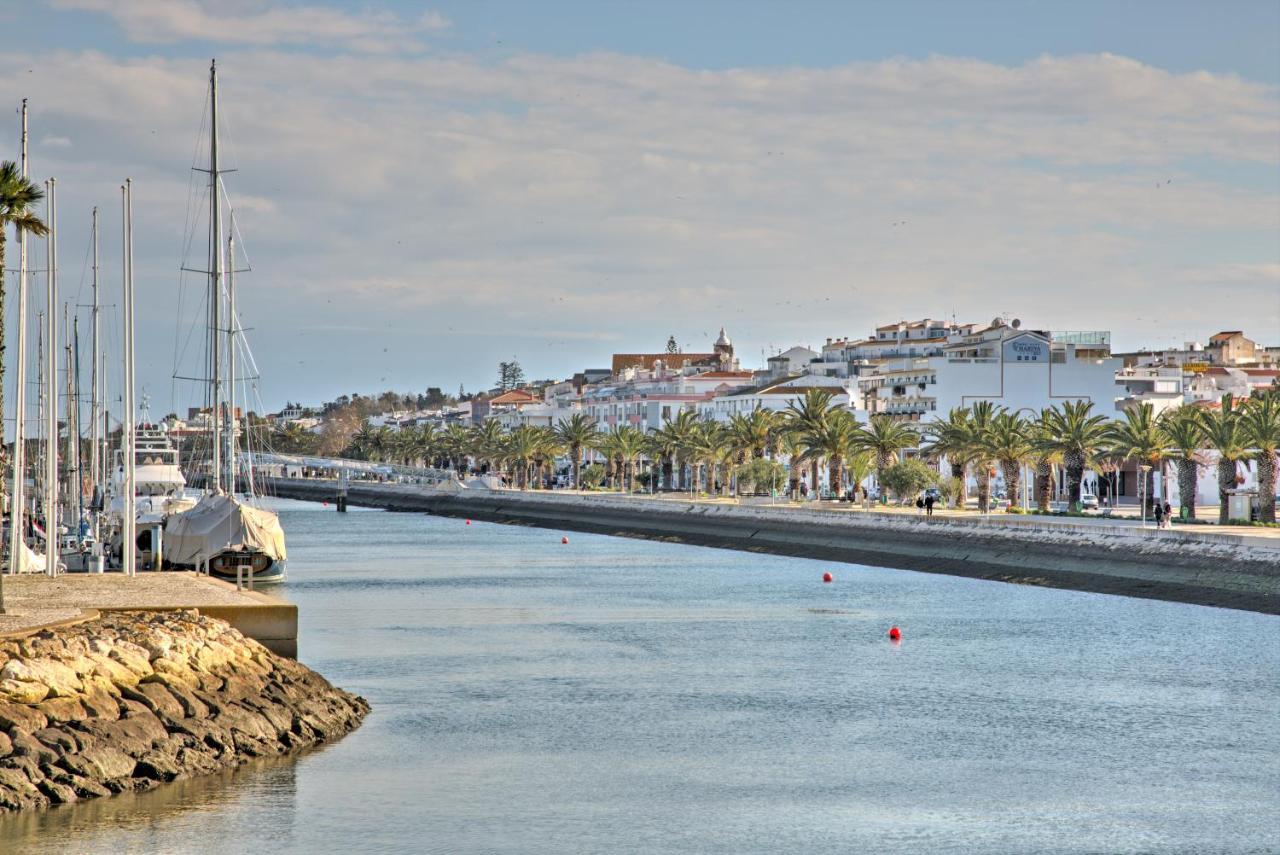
[{"x": 424, "y": 190}]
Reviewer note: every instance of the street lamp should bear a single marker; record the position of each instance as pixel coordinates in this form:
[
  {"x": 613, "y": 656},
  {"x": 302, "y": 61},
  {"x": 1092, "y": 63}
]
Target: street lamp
[{"x": 1142, "y": 491}]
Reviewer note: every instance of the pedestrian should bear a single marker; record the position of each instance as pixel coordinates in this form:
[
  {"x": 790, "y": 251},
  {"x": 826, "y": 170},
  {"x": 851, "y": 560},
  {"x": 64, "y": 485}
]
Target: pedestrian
[
  {"x": 928, "y": 506},
  {"x": 1168, "y": 515},
  {"x": 1159, "y": 514},
  {"x": 919, "y": 504}
]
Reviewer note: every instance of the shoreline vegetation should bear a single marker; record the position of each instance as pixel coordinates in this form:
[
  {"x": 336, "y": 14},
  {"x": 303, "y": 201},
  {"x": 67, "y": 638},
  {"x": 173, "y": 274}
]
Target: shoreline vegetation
[
  {"x": 129, "y": 700},
  {"x": 1198, "y": 566}
]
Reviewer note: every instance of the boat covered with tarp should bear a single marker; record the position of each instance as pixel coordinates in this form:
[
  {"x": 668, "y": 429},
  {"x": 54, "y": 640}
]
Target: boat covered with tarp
[{"x": 226, "y": 535}]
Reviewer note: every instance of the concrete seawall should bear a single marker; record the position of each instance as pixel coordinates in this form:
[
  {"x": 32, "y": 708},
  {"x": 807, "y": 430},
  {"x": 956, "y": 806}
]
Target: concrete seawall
[{"x": 1202, "y": 567}]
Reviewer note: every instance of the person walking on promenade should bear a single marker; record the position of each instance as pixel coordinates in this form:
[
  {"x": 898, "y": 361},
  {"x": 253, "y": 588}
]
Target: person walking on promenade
[
  {"x": 1168, "y": 514},
  {"x": 928, "y": 506},
  {"x": 1159, "y": 515}
]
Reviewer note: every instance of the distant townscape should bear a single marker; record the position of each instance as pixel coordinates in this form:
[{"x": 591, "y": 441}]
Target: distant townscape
[{"x": 992, "y": 408}]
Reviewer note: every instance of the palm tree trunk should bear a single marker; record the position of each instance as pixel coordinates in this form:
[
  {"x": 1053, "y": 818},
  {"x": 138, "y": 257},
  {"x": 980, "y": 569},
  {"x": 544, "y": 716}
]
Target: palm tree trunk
[
  {"x": 1226, "y": 481},
  {"x": 1012, "y": 479},
  {"x": 576, "y": 450},
  {"x": 1074, "y": 462},
  {"x": 1044, "y": 485},
  {"x": 1267, "y": 486},
  {"x": 666, "y": 471},
  {"x": 984, "y": 486},
  {"x": 957, "y": 472},
  {"x": 1187, "y": 486}
]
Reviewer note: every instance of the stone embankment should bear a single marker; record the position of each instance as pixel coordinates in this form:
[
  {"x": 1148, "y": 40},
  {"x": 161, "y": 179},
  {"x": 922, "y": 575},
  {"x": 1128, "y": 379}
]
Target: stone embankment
[
  {"x": 1191, "y": 566},
  {"x": 130, "y": 700}
]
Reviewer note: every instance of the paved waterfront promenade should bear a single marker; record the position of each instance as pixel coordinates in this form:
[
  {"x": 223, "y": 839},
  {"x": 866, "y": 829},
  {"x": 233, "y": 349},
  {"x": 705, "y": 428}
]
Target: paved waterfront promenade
[
  {"x": 1193, "y": 564},
  {"x": 35, "y": 600}
]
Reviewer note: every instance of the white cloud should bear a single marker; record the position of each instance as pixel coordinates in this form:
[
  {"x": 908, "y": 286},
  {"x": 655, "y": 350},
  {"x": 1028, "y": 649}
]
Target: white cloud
[
  {"x": 261, "y": 23},
  {"x": 606, "y": 201}
]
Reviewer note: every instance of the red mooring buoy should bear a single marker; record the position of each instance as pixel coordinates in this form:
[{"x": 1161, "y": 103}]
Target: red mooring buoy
[
  {"x": 564, "y": 540},
  {"x": 827, "y": 577},
  {"x": 894, "y": 633},
  {"x": 468, "y": 522}
]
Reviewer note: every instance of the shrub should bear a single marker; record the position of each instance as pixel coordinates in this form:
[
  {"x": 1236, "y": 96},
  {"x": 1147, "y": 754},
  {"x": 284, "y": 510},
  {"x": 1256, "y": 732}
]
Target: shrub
[
  {"x": 760, "y": 475},
  {"x": 592, "y": 476},
  {"x": 907, "y": 478},
  {"x": 950, "y": 489}
]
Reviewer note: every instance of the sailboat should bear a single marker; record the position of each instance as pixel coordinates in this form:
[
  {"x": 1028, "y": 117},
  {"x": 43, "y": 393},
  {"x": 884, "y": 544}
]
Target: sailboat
[{"x": 228, "y": 534}]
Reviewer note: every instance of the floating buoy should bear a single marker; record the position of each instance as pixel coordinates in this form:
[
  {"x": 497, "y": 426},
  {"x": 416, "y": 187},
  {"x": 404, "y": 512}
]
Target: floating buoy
[
  {"x": 894, "y": 633},
  {"x": 324, "y": 504},
  {"x": 827, "y": 577},
  {"x": 468, "y": 522},
  {"x": 564, "y": 540}
]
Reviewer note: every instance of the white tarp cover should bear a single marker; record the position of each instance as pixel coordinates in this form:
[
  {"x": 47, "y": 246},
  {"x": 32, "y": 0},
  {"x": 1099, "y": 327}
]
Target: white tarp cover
[
  {"x": 30, "y": 561},
  {"x": 220, "y": 522}
]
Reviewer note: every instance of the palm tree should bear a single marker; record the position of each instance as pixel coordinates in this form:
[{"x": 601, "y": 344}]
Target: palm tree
[
  {"x": 1223, "y": 430},
  {"x": 954, "y": 439},
  {"x": 753, "y": 434},
  {"x": 627, "y": 443},
  {"x": 576, "y": 433},
  {"x": 18, "y": 196},
  {"x": 886, "y": 438},
  {"x": 1262, "y": 426},
  {"x": 981, "y": 417},
  {"x": 1045, "y": 456},
  {"x": 679, "y": 434},
  {"x": 662, "y": 448},
  {"x": 521, "y": 448},
  {"x": 1073, "y": 433},
  {"x": 362, "y": 441},
  {"x": 1007, "y": 440},
  {"x": 1137, "y": 436},
  {"x": 1184, "y": 441},
  {"x": 487, "y": 440},
  {"x": 835, "y": 441},
  {"x": 547, "y": 450},
  {"x": 807, "y": 417},
  {"x": 455, "y": 444}
]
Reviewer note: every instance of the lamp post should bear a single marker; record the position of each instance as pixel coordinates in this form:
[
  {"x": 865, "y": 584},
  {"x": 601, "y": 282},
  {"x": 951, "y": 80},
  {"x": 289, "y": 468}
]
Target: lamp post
[{"x": 1142, "y": 491}]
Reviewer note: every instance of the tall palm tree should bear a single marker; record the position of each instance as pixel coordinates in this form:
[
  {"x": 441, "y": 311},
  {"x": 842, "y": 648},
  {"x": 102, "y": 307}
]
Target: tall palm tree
[
  {"x": 753, "y": 433},
  {"x": 835, "y": 441},
  {"x": 18, "y": 197},
  {"x": 576, "y": 433},
  {"x": 953, "y": 438},
  {"x": 679, "y": 434},
  {"x": 362, "y": 441},
  {"x": 982, "y": 415},
  {"x": 661, "y": 447},
  {"x": 1262, "y": 426},
  {"x": 486, "y": 442},
  {"x": 886, "y": 438},
  {"x": 1184, "y": 443},
  {"x": 1137, "y": 436},
  {"x": 1007, "y": 440},
  {"x": 455, "y": 445},
  {"x": 807, "y": 417},
  {"x": 1045, "y": 456},
  {"x": 1224, "y": 431},
  {"x": 627, "y": 443},
  {"x": 521, "y": 448},
  {"x": 1074, "y": 433},
  {"x": 548, "y": 448}
]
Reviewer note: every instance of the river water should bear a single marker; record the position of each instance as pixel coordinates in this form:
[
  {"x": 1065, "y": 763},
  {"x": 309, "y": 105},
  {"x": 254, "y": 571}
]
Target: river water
[{"x": 617, "y": 695}]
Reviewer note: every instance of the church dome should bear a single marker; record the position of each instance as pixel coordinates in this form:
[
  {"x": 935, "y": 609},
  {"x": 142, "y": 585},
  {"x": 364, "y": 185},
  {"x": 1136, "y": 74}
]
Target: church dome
[{"x": 723, "y": 340}]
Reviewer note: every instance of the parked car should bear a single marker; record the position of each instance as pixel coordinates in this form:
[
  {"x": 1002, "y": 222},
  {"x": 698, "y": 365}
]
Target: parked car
[
  {"x": 933, "y": 493},
  {"x": 1088, "y": 501}
]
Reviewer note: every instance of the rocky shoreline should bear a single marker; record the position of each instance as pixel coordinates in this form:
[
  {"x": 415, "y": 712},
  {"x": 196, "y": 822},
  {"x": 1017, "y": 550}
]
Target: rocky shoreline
[{"x": 129, "y": 700}]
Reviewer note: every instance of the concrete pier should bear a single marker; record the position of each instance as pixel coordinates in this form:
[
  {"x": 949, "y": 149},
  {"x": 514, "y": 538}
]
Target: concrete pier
[{"x": 36, "y": 601}]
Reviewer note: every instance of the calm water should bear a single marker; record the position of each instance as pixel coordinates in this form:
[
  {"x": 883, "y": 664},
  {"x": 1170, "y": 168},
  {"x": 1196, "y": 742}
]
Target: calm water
[{"x": 618, "y": 695}]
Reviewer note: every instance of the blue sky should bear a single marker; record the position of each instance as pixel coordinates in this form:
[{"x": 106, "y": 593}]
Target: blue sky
[{"x": 429, "y": 188}]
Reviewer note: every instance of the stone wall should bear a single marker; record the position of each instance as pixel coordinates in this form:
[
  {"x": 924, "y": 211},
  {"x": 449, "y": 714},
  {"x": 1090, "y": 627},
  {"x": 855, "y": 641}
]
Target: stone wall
[{"x": 129, "y": 700}]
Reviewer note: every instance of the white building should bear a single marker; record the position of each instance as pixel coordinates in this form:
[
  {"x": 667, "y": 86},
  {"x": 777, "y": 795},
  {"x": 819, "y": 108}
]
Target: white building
[
  {"x": 905, "y": 339},
  {"x": 1161, "y": 386},
  {"x": 647, "y": 398},
  {"x": 774, "y": 395},
  {"x": 1021, "y": 370}
]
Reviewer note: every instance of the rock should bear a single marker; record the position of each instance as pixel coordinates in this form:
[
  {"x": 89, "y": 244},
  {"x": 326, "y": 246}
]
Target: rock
[
  {"x": 23, "y": 691},
  {"x": 6, "y": 745},
  {"x": 58, "y": 740},
  {"x": 61, "y": 679},
  {"x": 21, "y": 716},
  {"x": 158, "y": 766},
  {"x": 158, "y": 699},
  {"x": 101, "y": 763},
  {"x": 26, "y": 745},
  {"x": 58, "y": 793},
  {"x": 63, "y": 709}
]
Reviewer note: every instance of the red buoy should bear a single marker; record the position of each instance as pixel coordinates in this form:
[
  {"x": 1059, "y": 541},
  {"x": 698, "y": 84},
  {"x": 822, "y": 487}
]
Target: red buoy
[
  {"x": 564, "y": 540},
  {"x": 827, "y": 577},
  {"x": 324, "y": 504},
  {"x": 468, "y": 522},
  {"x": 894, "y": 633}
]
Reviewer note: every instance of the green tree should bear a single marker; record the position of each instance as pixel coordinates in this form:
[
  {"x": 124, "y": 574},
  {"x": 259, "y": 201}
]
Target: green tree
[
  {"x": 1008, "y": 441},
  {"x": 1262, "y": 426},
  {"x": 907, "y": 478},
  {"x": 672, "y": 347},
  {"x": 955, "y": 439},
  {"x": 1137, "y": 436},
  {"x": 806, "y": 418},
  {"x": 886, "y": 438},
  {"x": 510, "y": 375},
  {"x": 1184, "y": 441},
  {"x": 760, "y": 475},
  {"x": 576, "y": 433},
  {"x": 1073, "y": 432},
  {"x": 1224, "y": 431}
]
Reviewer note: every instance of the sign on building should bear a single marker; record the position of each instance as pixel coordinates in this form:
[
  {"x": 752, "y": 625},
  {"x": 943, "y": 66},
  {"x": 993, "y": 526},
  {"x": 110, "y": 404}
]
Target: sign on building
[{"x": 1026, "y": 348}]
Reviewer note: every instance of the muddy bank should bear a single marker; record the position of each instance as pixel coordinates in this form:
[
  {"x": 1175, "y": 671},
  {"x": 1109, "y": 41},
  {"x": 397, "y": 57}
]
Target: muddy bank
[
  {"x": 130, "y": 700},
  {"x": 1200, "y": 567}
]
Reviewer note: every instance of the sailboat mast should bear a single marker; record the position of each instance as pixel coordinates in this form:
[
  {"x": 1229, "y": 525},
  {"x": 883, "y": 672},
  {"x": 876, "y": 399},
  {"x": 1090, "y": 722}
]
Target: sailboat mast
[
  {"x": 215, "y": 283},
  {"x": 95, "y": 400},
  {"x": 129, "y": 536},
  {"x": 17, "y": 527},
  {"x": 75, "y": 432},
  {"x": 51, "y": 392},
  {"x": 69, "y": 466},
  {"x": 231, "y": 359}
]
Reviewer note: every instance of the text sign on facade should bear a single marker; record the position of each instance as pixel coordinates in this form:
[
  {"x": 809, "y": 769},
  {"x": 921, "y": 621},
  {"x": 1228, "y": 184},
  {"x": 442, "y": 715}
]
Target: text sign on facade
[{"x": 1026, "y": 348}]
